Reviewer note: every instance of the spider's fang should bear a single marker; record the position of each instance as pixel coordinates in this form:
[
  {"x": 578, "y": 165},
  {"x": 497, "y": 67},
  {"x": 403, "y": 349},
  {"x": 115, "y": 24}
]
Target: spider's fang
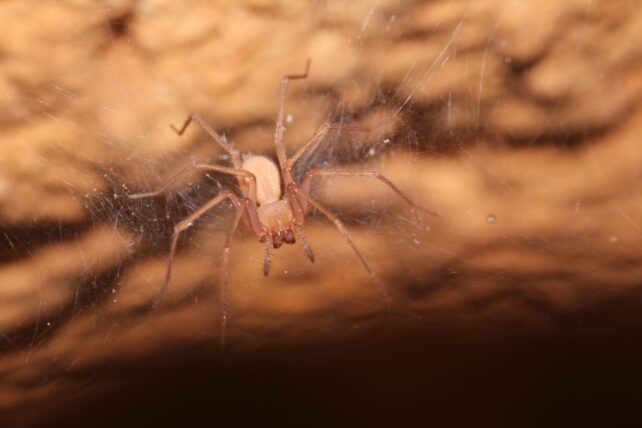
[
  {"x": 277, "y": 240},
  {"x": 283, "y": 236},
  {"x": 289, "y": 237}
]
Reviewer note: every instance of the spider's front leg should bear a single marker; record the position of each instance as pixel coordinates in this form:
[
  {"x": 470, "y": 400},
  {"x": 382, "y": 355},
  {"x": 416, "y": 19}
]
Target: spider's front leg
[
  {"x": 298, "y": 212},
  {"x": 299, "y": 196},
  {"x": 230, "y": 148}
]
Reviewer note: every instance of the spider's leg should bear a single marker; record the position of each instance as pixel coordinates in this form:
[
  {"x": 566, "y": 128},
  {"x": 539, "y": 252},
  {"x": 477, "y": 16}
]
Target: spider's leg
[
  {"x": 184, "y": 225},
  {"x": 280, "y": 129},
  {"x": 375, "y": 174},
  {"x": 227, "y": 146},
  {"x": 268, "y": 254},
  {"x": 334, "y": 219},
  {"x": 171, "y": 181},
  {"x": 298, "y": 206},
  {"x": 304, "y": 243},
  {"x": 240, "y": 208},
  {"x": 318, "y": 136},
  {"x": 202, "y": 166}
]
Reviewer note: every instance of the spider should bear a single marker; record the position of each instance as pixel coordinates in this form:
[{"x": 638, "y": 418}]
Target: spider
[{"x": 272, "y": 203}]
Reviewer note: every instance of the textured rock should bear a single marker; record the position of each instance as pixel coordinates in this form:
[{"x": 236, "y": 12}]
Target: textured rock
[{"x": 518, "y": 121}]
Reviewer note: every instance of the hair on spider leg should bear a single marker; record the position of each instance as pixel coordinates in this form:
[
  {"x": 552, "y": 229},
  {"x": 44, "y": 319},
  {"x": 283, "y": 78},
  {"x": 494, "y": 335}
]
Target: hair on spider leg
[{"x": 269, "y": 200}]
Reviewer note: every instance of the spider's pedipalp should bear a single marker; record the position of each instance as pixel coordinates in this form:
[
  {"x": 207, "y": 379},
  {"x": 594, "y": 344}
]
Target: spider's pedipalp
[
  {"x": 281, "y": 237},
  {"x": 304, "y": 243},
  {"x": 288, "y": 237}
]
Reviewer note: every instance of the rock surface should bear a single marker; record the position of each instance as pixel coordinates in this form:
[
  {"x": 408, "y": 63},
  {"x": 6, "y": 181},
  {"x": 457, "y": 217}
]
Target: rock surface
[{"x": 518, "y": 121}]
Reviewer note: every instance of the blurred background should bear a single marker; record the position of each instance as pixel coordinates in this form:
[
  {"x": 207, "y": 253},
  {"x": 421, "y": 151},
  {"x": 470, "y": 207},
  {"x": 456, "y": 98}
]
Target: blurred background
[{"x": 520, "y": 122}]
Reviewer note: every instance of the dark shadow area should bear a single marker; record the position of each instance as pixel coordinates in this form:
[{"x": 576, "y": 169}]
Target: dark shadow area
[
  {"x": 583, "y": 369},
  {"x": 119, "y": 26},
  {"x": 18, "y": 242}
]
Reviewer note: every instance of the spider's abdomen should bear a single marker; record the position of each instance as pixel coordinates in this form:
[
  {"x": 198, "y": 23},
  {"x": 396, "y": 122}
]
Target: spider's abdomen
[{"x": 268, "y": 179}]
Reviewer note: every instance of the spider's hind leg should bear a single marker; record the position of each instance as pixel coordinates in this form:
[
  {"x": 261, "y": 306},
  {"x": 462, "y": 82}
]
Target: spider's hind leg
[{"x": 187, "y": 223}]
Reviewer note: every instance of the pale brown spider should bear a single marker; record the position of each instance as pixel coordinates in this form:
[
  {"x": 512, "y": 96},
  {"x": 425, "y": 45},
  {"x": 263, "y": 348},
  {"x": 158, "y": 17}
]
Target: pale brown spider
[{"x": 274, "y": 204}]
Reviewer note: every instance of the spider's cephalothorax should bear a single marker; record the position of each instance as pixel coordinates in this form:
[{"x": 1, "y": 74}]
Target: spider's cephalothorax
[{"x": 275, "y": 214}]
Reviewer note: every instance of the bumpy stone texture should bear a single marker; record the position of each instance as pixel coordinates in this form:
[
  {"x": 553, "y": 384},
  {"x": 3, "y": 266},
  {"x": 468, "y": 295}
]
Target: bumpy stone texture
[
  {"x": 519, "y": 121},
  {"x": 87, "y": 84}
]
